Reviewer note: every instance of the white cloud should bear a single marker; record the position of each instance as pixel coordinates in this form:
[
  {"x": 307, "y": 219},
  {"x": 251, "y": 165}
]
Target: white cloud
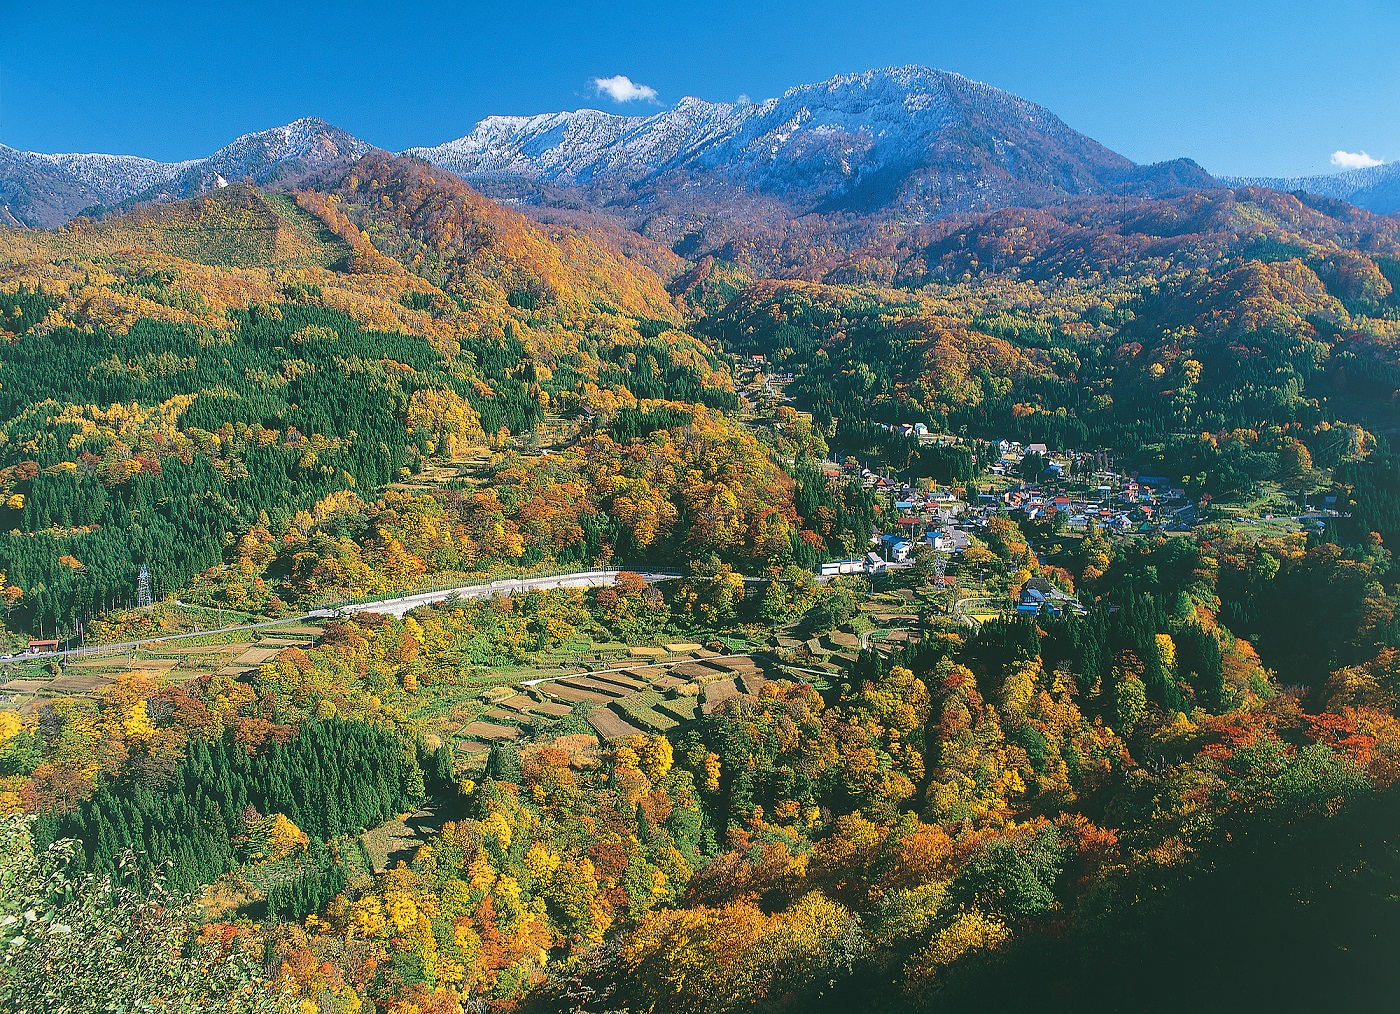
[
  {"x": 621, "y": 88},
  {"x": 1353, "y": 160}
]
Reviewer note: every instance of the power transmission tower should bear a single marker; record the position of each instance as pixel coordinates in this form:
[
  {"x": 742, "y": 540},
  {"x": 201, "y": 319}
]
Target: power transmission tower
[{"x": 143, "y": 588}]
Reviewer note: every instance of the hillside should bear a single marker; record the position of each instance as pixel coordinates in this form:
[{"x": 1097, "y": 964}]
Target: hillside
[
  {"x": 235, "y": 226},
  {"x": 272, "y": 356}
]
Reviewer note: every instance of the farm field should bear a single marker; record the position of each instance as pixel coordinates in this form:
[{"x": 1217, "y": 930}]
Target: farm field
[{"x": 27, "y": 686}]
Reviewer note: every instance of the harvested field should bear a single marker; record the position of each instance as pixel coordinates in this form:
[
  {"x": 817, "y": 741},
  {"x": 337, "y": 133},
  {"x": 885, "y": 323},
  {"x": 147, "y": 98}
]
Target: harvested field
[
  {"x": 695, "y": 671},
  {"x": 118, "y": 662},
  {"x": 502, "y": 715},
  {"x": 610, "y": 725},
  {"x": 80, "y": 683},
  {"x": 591, "y": 683},
  {"x": 488, "y": 732},
  {"x": 199, "y": 649},
  {"x": 648, "y": 652},
  {"x": 256, "y": 656},
  {"x": 669, "y": 682},
  {"x": 623, "y": 682},
  {"x": 752, "y": 682},
  {"x": 299, "y": 629},
  {"x": 567, "y": 693},
  {"x": 717, "y": 693},
  {"x": 683, "y": 648}
]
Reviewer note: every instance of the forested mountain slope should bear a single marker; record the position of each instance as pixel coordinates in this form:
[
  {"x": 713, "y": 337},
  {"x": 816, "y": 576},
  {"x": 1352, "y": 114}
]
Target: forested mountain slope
[
  {"x": 1183, "y": 330},
  {"x": 222, "y": 365}
]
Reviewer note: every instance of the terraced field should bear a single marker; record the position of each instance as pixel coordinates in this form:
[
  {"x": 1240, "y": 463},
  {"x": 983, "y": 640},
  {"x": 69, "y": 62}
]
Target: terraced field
[{"x": 29, "y": 685}]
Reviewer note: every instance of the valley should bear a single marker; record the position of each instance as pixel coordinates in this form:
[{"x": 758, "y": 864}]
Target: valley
[{"x": 872, "y": 547}]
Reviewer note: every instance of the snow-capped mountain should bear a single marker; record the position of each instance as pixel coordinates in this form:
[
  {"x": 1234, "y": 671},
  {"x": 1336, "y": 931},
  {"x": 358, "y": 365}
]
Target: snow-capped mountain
[
  {"x": 910, "y": 138},
  {"x": 45, "y": 190},
  {"x": 1375, "y": 188},
  {"x": 912, "y": 141}
]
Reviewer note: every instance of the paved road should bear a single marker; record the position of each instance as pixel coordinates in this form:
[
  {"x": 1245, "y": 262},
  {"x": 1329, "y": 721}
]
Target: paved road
[
  {"x": 960, "y": 611},
  {"x": 867, "y": 635},
  {"x": 577, "y": 579},
  {"x": 396, "y": 606}
]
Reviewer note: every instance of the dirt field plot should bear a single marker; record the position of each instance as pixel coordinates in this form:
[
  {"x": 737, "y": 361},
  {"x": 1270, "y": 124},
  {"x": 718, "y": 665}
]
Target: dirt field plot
[
  {"x": 717, "y": 693},
  {"x": 502, "y": 715},
  {"x": 598, "y": 686},
  {"x": 622, "y": 681},
  {"x": 752, "y": 682},
  {"x": 733, "y": 664},
  {"x": 567, "y": 693},
  {"x": 610, "y": 725},
  {"x": 488, "y": 731},
  {"x": 695, "y": 671},
  {"x": 111, "y": 662}
]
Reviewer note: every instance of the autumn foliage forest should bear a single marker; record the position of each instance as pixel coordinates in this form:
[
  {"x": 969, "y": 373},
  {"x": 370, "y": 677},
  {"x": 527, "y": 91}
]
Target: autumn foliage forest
[{"x": 1170, "y": 799}]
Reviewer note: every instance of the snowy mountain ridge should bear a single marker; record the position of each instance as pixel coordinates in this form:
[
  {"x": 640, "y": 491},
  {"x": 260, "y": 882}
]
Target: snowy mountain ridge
[
  {"x": 1375, "y": 188},
  {"x": 911, "y": 141},
  {"x": 815, "y": 143},
  {"x": 45, "y": 190}
]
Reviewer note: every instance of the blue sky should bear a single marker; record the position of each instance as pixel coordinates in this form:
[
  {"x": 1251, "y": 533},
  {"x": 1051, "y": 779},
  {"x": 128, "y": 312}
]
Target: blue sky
[{"x": 1242, "y": 87}]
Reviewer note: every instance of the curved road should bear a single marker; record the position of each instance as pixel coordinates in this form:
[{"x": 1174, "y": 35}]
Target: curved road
[{"x": 396, "y": 606}]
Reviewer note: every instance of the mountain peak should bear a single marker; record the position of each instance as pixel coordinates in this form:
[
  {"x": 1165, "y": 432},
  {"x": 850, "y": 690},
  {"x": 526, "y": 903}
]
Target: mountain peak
[
  {"x": 46, "y": 190},
  {"x": 912, "y": 139}
]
